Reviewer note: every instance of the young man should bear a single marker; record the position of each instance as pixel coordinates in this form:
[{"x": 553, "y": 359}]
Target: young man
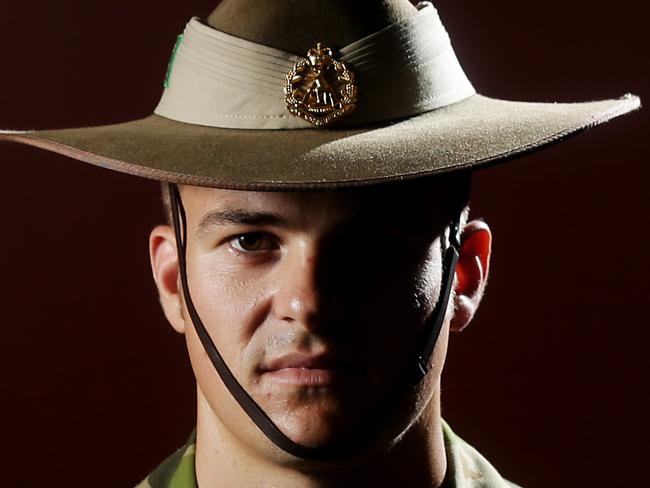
[
  {"x": 315, "y": 287},
  {"x": 305, "y": 294}
]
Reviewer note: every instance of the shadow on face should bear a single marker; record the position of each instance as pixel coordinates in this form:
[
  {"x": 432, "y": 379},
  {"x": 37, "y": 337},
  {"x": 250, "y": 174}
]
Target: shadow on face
[
  {"x": 364, "y": 244},
  {"x": 350, "y": 276}
]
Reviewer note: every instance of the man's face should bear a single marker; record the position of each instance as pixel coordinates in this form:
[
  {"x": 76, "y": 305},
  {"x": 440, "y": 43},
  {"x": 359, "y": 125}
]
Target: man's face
[{"x": 316, "y": 301}]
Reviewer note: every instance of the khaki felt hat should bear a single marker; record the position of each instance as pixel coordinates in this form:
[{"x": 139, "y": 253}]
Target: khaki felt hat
[{"x": 288, "y": 94}]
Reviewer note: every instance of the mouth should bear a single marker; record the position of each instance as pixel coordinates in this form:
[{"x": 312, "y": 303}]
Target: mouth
[{"x": 308, "y": 370}]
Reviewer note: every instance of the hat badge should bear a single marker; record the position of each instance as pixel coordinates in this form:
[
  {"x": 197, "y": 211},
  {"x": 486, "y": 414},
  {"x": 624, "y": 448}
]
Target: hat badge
[{"x": 320, "y": 89}]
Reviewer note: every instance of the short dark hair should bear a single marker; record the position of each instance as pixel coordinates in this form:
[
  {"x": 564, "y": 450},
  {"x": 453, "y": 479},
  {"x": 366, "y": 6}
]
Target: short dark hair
[{"x": 166, "y": 202}]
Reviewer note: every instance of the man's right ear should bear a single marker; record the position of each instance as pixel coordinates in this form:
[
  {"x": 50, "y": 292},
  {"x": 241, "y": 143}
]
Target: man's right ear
[{"x": 164, "y": 266}]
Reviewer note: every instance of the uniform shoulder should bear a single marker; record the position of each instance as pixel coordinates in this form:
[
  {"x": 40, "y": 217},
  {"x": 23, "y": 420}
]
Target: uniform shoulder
[
  {"x": 467, "y": 468},
  {"x": 176, "y": 471}
]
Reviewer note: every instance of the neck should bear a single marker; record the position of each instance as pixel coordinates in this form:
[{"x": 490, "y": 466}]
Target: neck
[{"x": 417, "y": 460}]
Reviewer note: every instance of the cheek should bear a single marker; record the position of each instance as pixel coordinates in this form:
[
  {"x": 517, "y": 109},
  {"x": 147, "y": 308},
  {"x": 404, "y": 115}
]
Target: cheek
[
  {"x": 231, "y": 305},
  {"x": 427, "y": 283},
  {"x": 396, "y": 309},
  {"x": 408, "y": 291}
]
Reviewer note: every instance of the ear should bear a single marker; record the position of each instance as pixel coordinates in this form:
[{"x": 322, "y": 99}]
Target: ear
[
  {"x": 164, "y": 266},
  {"x": 471, "y": 272}
]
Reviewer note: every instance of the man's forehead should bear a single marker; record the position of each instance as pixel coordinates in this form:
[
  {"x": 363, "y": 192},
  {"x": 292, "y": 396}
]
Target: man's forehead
[
  {"x": 288, "y": 205},
  {"x": 432, "y": 189},
  {"x": 410, "y": 205},
  {"x": 209, "y": 197},
  {"x": 387, "y": 199}
]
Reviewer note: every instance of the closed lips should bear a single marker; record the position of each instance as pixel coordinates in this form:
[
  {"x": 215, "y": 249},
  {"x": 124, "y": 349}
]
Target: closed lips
[{"x": 306, "y": 361}]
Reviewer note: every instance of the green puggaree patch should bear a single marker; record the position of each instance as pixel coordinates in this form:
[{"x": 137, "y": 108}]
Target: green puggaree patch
[{"x": 170, "y": 66}]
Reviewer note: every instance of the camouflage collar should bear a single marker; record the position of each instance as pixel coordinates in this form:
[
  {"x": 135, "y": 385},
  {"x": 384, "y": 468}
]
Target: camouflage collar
[
  {"x": 177, "y": 471},
  {"x": 466, "y": 467}
]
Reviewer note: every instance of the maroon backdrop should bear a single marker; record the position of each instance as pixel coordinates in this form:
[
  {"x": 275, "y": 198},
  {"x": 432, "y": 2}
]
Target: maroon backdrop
[{"x": 551, "y": 380}]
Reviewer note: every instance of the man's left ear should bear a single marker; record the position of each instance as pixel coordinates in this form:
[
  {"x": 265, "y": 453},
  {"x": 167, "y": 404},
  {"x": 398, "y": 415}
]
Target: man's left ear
[{"x": 471, "y": 272}]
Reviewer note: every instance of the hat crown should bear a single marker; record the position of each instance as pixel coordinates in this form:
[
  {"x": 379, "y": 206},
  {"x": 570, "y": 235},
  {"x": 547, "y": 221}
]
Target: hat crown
[
  {"x": 294, "y": 25},
  {"x": 222, "y": 80}
]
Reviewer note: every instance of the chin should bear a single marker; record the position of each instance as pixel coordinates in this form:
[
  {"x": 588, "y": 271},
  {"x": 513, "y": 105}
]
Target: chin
[
  {"x": 318, "y": 416},
  {"x": 317, "y": 425},
  {"x": 313, "y": 434}
]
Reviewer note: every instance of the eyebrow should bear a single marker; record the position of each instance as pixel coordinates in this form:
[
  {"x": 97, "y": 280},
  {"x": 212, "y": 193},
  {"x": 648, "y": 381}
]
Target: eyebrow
[
  {"x": 217, "y": 218},
  {"x": 239, "y": 217}
]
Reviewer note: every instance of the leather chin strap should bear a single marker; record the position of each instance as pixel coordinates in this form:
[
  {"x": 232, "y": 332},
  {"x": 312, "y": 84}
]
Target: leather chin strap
[{"x": 413, "y": 375}]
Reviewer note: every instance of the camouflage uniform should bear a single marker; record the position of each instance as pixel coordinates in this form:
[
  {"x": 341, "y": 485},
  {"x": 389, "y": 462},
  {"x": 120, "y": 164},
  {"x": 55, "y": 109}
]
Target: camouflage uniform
[{"x": 466, "y": 468}]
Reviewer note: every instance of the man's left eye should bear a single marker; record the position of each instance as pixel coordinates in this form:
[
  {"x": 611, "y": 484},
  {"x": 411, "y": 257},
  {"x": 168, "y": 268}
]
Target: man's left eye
[{"x": 252, "y": 242}]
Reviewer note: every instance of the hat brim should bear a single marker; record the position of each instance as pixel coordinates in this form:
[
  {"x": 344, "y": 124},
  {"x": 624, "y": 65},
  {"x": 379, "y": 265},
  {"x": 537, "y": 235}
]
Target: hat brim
[{"x": 473, "y": 133}]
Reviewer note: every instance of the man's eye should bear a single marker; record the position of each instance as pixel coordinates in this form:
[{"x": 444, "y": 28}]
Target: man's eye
[{"x": 252, "y": 242}]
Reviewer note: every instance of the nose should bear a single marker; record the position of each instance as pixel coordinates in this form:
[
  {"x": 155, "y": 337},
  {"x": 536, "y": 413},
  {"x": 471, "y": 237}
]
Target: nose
[{"x": 297, "y": 296}]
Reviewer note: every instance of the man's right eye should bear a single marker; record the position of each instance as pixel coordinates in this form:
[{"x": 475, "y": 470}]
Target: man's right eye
[{"x": 253, "y": 242}]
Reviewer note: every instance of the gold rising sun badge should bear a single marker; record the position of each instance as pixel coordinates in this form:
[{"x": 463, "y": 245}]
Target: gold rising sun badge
[{"x": 320, "y": 89}]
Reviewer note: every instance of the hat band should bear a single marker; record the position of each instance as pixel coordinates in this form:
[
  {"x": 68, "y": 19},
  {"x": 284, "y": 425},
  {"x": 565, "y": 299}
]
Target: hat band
[{"x": 219, "y": 80}]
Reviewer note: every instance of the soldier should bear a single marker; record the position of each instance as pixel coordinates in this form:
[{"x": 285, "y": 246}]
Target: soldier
[{"x": 318, "y": 254}]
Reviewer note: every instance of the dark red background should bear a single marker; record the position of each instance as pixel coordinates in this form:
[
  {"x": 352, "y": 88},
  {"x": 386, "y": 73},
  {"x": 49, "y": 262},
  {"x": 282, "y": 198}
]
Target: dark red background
[{"x": 551, "y": 380}]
